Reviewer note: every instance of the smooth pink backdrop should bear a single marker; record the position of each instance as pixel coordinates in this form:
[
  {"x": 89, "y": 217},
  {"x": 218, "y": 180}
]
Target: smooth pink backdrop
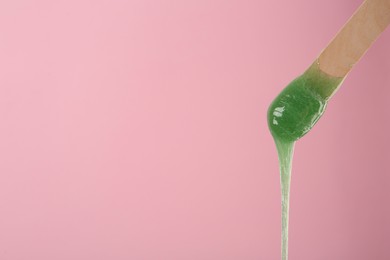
[{"x": 136, "y": 130}]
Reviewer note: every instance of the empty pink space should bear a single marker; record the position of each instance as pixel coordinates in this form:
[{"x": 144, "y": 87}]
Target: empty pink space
[{"x": 137, "y": 130}]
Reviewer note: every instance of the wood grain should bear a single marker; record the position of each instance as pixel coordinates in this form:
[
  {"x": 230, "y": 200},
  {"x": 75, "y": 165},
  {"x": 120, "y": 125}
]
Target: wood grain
[{"x": 354, "y": 39}]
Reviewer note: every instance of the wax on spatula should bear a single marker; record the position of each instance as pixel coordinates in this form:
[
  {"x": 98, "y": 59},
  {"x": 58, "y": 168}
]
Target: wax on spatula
[
  {"x": 300, "y": 105},
  {"x": 291, "y": 115}
]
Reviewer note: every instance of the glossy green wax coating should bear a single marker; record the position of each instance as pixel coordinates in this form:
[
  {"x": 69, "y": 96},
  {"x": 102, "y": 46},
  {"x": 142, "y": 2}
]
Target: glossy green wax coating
[
  {"x": 291, "y": 115},
  {"x": 299, "y": 106}
]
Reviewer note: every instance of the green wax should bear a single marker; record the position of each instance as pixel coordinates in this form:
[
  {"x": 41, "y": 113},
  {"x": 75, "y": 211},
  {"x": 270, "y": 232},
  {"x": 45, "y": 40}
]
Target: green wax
[
  {"x": 291, "y": 115},
  {"x": 299, "y": 106}
]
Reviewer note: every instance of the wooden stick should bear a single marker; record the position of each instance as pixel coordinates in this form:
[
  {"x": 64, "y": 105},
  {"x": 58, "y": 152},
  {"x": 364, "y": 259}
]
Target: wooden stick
[{"x": 353, "y": 40}]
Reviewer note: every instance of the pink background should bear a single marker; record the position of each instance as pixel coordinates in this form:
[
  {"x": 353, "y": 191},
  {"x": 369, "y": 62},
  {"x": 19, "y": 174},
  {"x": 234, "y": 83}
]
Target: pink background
[{"x": 137, "y": 130}]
